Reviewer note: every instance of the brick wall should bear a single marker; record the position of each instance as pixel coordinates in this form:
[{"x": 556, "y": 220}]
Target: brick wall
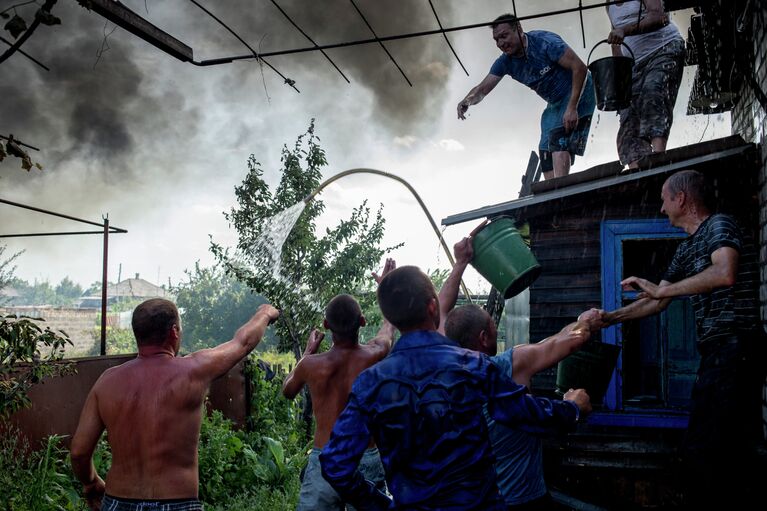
[
  {"x": 79, "y": 324},
  {"x": 749, "y": 119}
]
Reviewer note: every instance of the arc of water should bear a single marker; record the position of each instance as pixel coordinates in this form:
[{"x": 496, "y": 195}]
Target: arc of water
[{"x": 338, "y": 176}]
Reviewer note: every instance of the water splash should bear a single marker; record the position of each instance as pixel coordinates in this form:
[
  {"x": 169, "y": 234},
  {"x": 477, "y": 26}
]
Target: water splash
[{"x": 264, "y": 254}]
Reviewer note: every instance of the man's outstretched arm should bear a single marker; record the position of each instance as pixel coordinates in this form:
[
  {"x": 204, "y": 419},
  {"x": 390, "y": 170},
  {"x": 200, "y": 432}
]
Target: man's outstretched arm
[
  {"x": 448, "y": 295},
  {"x": 215, "y": 362},
  {"x": 510, "y": 404},
  {"x": 530, "y": 359},
  {"x": 477, "y": 94}
]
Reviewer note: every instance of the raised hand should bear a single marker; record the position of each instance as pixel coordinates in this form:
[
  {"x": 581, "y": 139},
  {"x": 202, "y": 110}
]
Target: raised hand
[
  {"x": 313, "y": 342},
  {"x": 648, "y": 289},
  {"x": 389, "y": 266}
]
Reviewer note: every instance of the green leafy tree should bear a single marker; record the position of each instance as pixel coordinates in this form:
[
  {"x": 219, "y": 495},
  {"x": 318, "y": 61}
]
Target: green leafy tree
[
  {"x": 214, "y": 306},
  {"x": 68, "y": 291},
  {"x": 28, "y": 354},
  {"x": 314, "y": 267}
]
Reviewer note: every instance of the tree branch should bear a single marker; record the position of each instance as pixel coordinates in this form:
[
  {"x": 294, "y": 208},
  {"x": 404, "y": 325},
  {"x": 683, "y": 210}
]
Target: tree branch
[{"x": 47, "y": 6}]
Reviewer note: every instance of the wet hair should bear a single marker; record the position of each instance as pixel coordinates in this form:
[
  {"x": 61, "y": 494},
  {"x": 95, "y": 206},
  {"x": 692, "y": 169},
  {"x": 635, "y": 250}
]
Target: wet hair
[
  {"x": 464, "y": 324},
  {"x": 343, "y": 315},
  {"x": 512, "y": 20},
  {"x": 404, "y": 295},
  {"x": 693, "y": 184},
  {"x": 152, "y": 321}
]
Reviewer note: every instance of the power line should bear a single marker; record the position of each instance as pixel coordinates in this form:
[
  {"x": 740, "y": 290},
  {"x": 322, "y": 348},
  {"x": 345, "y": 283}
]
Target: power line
[
  {"x": 310, "y": 39},
  {"x": 379, "y": 42},
  {"x": 252, "y": 51},
  {"x": 446, "y": 39}
]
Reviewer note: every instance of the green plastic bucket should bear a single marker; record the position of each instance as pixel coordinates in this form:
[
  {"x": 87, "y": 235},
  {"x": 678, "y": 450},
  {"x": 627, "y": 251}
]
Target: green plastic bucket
[
  {"x": 589, "y": 368},
  {"x": 502, "y": 257}
]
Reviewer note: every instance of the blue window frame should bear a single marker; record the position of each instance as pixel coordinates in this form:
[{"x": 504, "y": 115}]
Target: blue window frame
[{"x": 669, "y": 334}]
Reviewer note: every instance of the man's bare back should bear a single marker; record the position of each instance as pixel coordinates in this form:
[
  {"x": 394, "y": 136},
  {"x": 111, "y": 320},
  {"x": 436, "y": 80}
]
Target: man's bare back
[
  {"x": 329, "y": 377},
  {"x": 151, "y": 408}
]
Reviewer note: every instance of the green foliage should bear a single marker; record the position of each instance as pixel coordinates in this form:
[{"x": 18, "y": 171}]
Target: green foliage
[
  {"x": 69, "y": 290},
  {"x": 315, "y": 268},
  {"x": 270, "y": 411},
  {"x": 214, "y": 306},
  {"x": 24, "y": 342},
  {"x": 438, "y": 277},
  {"x": 35, "y": 480},
  {"x": 64, "y": 294},
  {"x": 120, "y": 341},
  {"x": 249, "y": 470},
  {"x": 252, "y": 466}
]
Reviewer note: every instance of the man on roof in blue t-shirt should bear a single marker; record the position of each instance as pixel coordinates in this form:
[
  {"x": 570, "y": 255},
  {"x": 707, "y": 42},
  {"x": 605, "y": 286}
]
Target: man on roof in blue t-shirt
[{"x": 545, "y": 63}]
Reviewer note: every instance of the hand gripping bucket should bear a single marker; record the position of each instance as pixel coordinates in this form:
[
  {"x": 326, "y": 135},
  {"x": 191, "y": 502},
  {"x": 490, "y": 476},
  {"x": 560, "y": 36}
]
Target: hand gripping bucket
[
  {"x": 502, "y": 257},
  {"x": 612, "y": 79},
  {"x": 589, "y": 368}
]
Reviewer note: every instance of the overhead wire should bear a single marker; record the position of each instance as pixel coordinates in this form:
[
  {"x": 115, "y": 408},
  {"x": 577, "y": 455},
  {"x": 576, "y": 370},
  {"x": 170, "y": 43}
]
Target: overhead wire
[
  {"x": 255, "y": 54},
  {"x": 310, "y": 39},
  {"x": 379, "y": 42},
  {"x": 446, "y": 39}
]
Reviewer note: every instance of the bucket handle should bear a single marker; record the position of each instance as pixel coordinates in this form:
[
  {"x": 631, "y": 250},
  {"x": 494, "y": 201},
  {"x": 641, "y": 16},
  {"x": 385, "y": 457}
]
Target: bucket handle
[{"x": 588, "y": 60}]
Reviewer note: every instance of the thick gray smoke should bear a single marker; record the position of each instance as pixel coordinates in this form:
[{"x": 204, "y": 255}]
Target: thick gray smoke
[
  {"x": 135, "y": 132},
  {"x": 118, "y": 112}
]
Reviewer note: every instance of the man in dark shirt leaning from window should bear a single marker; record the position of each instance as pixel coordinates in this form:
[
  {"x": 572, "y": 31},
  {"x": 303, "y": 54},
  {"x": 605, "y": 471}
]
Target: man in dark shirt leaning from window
[{"x": 423, "y": 407}]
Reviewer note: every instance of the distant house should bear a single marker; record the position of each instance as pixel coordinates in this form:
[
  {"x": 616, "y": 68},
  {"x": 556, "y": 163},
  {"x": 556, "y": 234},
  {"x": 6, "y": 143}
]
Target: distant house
[
  {"x": 128, "y": 289},
  {"x": 9, "y": 296}
]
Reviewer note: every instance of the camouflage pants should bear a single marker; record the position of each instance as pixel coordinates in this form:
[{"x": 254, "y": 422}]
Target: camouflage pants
[{"x": 655, "y": 86}]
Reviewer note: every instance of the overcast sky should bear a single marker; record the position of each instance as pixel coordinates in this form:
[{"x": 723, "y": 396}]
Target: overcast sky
[{"x": 159, "y": 145}]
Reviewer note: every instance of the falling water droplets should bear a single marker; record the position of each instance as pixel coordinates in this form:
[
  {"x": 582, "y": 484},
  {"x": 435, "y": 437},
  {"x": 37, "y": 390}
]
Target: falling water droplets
[{"x": 264, "y": 254}]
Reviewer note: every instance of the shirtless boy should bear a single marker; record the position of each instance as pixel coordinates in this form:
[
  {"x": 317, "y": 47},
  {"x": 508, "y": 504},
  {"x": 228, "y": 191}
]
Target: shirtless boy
[
  {"x": 151, "y": 408},
  {"x": 329, "y": 377}
]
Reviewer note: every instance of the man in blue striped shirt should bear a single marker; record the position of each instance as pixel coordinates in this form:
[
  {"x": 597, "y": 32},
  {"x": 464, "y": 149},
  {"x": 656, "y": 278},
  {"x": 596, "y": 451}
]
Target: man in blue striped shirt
[{"x": 718, "y": 268}]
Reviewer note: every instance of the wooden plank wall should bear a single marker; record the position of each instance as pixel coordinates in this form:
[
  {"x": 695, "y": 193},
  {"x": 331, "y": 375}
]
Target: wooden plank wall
[{"x": 565, "y": 238}]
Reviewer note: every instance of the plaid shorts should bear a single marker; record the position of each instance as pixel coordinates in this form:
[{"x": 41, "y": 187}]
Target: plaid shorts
[
  {"x": 109, "y": 503},
  {"x": 653, "y": 94}
]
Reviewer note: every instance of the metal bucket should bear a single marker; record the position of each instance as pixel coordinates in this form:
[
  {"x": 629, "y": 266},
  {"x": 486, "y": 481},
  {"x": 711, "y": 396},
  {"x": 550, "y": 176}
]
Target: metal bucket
[
  {"x": 589, "y": 368},
  {"x": 612, "y": 80},
  {"x": 503, "y": 258}
]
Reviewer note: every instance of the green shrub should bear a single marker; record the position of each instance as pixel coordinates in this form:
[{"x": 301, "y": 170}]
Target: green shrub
[
  {"x": 28, "y": 354},
  {"x": 36, "y": 480}
]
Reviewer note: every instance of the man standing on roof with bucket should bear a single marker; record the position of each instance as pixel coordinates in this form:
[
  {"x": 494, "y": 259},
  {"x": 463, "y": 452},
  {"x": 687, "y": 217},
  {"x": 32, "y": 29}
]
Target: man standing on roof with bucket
[
  {"x": 545, "y": 63},
  {"x": 658, "y": 50}
]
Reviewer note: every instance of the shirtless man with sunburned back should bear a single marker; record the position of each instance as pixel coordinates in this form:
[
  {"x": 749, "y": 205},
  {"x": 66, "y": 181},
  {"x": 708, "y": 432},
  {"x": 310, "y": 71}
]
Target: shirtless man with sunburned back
[
  {"x": 329, "y": 377},
  {"x": 151, "y": 408}
]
